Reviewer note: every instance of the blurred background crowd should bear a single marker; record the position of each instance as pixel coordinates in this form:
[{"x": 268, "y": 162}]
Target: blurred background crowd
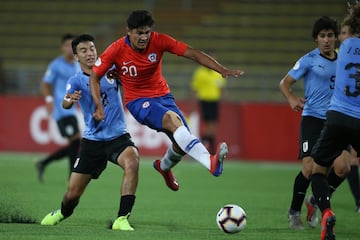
[{"x": 264, "y": 37}]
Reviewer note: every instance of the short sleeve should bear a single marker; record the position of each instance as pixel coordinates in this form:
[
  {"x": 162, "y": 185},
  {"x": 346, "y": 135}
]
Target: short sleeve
[
  {"x": 106, "y": 59},
  {"x": 300, "y": 68}
]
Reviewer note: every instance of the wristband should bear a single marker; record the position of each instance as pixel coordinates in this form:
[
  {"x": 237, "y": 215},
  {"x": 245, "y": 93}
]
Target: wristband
[{"x": 49, "y": 99}]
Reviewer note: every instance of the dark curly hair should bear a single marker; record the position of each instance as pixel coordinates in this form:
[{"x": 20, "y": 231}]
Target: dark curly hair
[
  {"x": 352, "y": 19},
  {"x": 325, "y": 22}
]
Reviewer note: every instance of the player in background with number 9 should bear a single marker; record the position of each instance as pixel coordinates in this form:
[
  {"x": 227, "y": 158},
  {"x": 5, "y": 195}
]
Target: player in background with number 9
[
  {"x": 317, "y": 69},
  {"x": 342, "y": 126}
]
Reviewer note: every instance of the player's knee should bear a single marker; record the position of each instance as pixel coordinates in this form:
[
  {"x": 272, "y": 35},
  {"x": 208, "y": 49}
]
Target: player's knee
[
  {"x": 342, "y": 165},
  {"x": 130, "y": 162},
  {"x": 307, "y": 173},
  {"x": 307, "y": 167},
  {"x": 131, "y": 169},
  {"x": 342, "y": 170},
  {"x": 171, "y": 121}
]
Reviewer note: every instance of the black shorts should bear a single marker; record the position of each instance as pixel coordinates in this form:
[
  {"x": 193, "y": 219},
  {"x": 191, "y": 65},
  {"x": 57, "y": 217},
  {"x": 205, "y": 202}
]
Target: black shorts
[
  {"x": 339, "y": 132},
  {"x": 95, "y": 154},
  {"x": 68, "y": 126},
  {"x": 310, "y": 128},
  {"x": 209, "y": 110}
]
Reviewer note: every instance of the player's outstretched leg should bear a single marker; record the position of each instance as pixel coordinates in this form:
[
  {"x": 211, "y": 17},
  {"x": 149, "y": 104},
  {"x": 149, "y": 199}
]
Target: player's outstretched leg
[
  {"x": 168, "y": 176},
  {"x": 193, "y": 147},
  {"x": 217, "y": 160},
  {"x": 53, "y": 218},
  {"x": 122, "y": 223}
]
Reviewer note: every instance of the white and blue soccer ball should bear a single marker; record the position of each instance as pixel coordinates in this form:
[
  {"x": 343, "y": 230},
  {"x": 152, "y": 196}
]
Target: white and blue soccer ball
[{"x": 231, "y": 218}]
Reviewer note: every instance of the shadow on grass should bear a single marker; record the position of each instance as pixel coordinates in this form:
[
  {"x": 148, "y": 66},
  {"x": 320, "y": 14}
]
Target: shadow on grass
[{"x": 11, "y": 214}]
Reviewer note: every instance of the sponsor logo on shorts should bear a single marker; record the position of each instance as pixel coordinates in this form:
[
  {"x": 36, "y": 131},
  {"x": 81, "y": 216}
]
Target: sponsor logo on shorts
[
  {"x": 305, "y": 146},
  {"x": 76, "y": 162},
  {"x": 146, "y": 104}
]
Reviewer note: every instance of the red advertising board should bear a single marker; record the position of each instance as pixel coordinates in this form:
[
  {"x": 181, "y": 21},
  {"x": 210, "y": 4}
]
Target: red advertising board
[{"x": 253, "y": 131}]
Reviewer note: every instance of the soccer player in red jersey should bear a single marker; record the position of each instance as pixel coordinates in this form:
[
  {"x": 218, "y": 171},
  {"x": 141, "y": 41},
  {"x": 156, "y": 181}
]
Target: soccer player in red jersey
[{"x": 138, "y": 59}]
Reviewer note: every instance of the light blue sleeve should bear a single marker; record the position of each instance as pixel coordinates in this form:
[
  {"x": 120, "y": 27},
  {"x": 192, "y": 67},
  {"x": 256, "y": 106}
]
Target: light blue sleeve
[
  {"x": 71, "y": 85},
  {"x": 300, "y": 68},
  {"x": 50, "y": 74}
]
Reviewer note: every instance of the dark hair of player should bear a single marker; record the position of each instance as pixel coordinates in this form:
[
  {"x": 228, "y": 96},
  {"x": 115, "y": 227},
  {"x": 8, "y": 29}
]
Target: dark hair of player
[
  {"x": 67, "y": 36},
  {"x": 140, "y": 18},
  {"x": 325, "y": 22},
  {"x": 79, "y": 39}
]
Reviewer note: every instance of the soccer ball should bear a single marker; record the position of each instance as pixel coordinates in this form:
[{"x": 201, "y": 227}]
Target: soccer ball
[{"x": 231, "y": 218}]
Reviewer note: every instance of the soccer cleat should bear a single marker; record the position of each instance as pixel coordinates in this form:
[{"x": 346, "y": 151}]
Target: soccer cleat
[
  {"x": 169, "y": 178},
  {"x": 40, "y": 170},
  {"x": 121, "y": 223},
  {"x": 217, "y": 160},
  {"x": 357, "y": 209},
  {"x": 294, "y": 220},
  {"x": 312, "y": 212},
  {"x": 327, "y": 225},
  {"x": 53, "y": 218}
]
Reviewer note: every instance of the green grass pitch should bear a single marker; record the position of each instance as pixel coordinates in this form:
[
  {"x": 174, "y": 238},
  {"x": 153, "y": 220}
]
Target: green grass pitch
[{"x": 262, "y": 189}]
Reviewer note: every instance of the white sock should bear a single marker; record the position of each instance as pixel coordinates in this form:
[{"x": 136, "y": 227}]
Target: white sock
[
  {"x": 192, "y": 146},
  {"x": 170, "y": 159}
]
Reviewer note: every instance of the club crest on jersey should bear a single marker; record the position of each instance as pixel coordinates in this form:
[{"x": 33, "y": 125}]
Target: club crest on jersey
[
  {"x": 146, "y": 104},
  {"x": 152, "y": 57}
]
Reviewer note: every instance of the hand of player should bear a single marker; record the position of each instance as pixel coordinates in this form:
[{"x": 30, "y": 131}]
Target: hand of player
[
  {"x": 75, "y": 97},
  {"x": 232, "y": 73},
  {"x": 99, "y": 113},
  {"x": 296, "y": 103}
]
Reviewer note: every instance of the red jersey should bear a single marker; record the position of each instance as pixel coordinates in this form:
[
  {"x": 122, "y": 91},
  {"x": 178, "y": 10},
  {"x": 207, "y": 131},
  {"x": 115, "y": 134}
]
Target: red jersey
[{"x": 140, "y": 72}]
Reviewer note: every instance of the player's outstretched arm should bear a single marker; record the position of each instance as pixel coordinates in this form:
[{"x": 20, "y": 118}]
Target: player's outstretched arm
[
  {"x": 208, "y": 61},
  {"x": 95, "y": 93}
]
